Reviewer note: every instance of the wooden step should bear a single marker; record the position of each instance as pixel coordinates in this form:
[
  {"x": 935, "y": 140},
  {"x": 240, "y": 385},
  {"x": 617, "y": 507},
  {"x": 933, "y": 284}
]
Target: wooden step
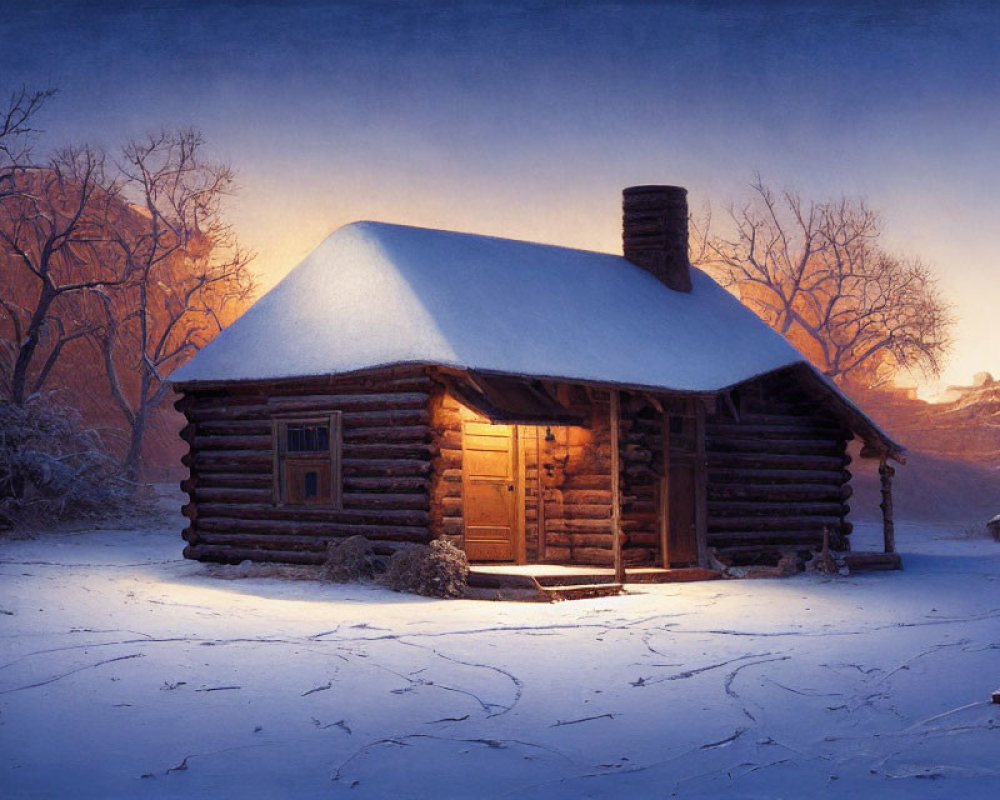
[
  {"x": 582, "y": 591},
  {"x": 572, "y": 585},
  {"x": 548, "y": 588},
  {"x": 516, "y": 595},
  {"x": 554, "y": 581},
  {"x": 500, "y": 580}
]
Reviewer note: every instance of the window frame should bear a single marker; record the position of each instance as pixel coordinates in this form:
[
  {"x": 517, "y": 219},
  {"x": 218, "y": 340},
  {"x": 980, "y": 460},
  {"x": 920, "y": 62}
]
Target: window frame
[{"x": 332, "y": 459}]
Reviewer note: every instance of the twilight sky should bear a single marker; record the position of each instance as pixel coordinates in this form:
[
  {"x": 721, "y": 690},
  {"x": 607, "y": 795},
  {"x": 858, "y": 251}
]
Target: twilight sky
[{"x": 526, "y": 119}]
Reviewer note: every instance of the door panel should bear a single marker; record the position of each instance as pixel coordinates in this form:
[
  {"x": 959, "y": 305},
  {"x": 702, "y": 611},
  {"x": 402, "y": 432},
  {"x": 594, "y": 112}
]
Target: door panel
[
  {"x": 490, "y": 501},
  {"x": 682, "y": 546},
  {"x": 680, "y": 432}
]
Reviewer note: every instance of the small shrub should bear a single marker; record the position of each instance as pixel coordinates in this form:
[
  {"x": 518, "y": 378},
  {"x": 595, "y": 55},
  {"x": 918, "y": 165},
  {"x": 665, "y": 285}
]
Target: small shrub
[
  {"x": 52, "y": 468},
  {"x": 436, "y": 570},
  {"x": 351, "y": 559}
]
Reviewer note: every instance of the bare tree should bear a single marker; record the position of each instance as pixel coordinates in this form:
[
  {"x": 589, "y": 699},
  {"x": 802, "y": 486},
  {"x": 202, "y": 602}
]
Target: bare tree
[
  {"x": 817, "y": 273},
  {"x": 136, "y": 259},
  {"x": 188, "y": 275},
  {"x": 129, "y": 268},
  {"x": 55, "y": 250}
]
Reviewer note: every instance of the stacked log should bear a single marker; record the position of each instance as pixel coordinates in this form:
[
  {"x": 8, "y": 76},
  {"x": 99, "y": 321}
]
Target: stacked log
[
  {"x": 446, "y": 506},
  {"x": 576, "y": 468},
  {"x": 567, "y": 509},
  {"x": 776, "y": 468},
  {"x": 777, "y": 474},
  {"x": 529, "y": 443},
  {"x": 565, "y": 477},
  {"x": 641, "y": 440},
  {"x": 386, "y": 463}
]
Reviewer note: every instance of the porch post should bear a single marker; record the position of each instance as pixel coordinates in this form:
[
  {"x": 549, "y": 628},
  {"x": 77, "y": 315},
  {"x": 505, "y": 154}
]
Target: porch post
[
  {"x": 616, "y": 509},
  {"x": 701, "y": 484},
  {"x": 885, "y": 473},
  {"x": 665, "y": 493}
]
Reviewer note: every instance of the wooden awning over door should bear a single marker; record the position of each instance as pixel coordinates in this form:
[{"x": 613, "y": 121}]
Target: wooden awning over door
[{"x": 509, "y": 399}]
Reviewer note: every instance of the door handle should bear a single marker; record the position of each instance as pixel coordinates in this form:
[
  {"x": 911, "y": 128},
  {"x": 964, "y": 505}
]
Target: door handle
[{"x": 510, "y": 487}]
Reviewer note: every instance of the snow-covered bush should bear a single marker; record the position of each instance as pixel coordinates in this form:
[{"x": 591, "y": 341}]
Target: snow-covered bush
[
  {"x": 352, "y": 559},
  {"x": 436, "y": 570},
  {"x": 51, "y": 468}
]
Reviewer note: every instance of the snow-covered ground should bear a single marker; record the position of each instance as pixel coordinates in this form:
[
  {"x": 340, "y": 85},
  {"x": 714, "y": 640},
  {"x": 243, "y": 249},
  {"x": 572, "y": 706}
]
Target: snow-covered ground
[{"x": 125, "y": 671}]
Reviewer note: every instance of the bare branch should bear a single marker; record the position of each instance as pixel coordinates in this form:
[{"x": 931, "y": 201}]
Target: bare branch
[
  {"x": 816, "y": 273},
  {"x": 16, "y": 129},
  {"x": 184, "y": 266}
]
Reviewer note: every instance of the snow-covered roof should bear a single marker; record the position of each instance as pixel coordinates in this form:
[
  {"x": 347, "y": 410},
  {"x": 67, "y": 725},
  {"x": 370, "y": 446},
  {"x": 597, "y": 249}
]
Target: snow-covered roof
[{"x": 374, "y": 294}]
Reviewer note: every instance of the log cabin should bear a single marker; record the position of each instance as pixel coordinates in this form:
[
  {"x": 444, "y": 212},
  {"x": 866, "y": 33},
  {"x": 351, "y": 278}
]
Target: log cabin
[{"x": 532, "y": 404}]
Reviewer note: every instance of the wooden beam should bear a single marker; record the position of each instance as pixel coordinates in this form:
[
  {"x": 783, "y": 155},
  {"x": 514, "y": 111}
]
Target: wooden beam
[
  {"x": 540, "y": 496},
  {"x": 885, "y": 473},
  {"x": 616, "y": 504},
  {"x": 520, "y": 544},
  {"x": 277, "y": 437},
  {"x": 665, "y": 493},
  {"x": 701, "y": 486}
]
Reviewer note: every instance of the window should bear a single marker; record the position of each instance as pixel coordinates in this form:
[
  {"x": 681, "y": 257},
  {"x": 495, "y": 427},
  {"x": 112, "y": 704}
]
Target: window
[
  {"x": 307, "y": 438},
  {"x": 307, "y": 461}
]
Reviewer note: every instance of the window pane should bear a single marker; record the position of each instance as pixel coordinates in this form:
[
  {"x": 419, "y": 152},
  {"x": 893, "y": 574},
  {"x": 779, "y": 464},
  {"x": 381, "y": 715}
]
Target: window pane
[{"x": 308, "y": 438}]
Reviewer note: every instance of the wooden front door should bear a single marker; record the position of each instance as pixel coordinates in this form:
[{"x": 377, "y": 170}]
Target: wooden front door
[
  {"x": 488, "y": 488},
  {"x": 682, "y": 542}
]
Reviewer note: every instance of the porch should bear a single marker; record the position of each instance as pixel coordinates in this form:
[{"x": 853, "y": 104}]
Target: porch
[
  {"x": 569, "y": 479},
  {"x": 554, "y": 582},
  {"x": 535, "y": 474}
]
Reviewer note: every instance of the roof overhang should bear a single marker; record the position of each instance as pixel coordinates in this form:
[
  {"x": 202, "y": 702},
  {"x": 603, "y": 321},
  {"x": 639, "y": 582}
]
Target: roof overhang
[
  {"x": 509, "y": 399},
  {"x": 876, "y": 442},
  {"x": 513, "y": 398}
]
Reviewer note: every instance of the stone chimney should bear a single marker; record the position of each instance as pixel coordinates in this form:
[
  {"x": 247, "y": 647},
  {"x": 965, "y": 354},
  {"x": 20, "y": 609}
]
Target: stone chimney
[{"x": 655, "y": 232}]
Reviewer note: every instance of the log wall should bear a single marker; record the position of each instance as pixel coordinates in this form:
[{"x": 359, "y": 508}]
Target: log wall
[
  {"x": 641, "y": 442},
  {"x": 777, "y": 473},
  {"x": 530, "y": 440},
  {"x": 575, "y": 473},
  {"x": 564, "y": 479},
  {"x": 446, "y": 502},
  {"x": 446, "y": 416},
  {"x": 776, "y": 467},
  {"x": 387, "y": 454}
]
